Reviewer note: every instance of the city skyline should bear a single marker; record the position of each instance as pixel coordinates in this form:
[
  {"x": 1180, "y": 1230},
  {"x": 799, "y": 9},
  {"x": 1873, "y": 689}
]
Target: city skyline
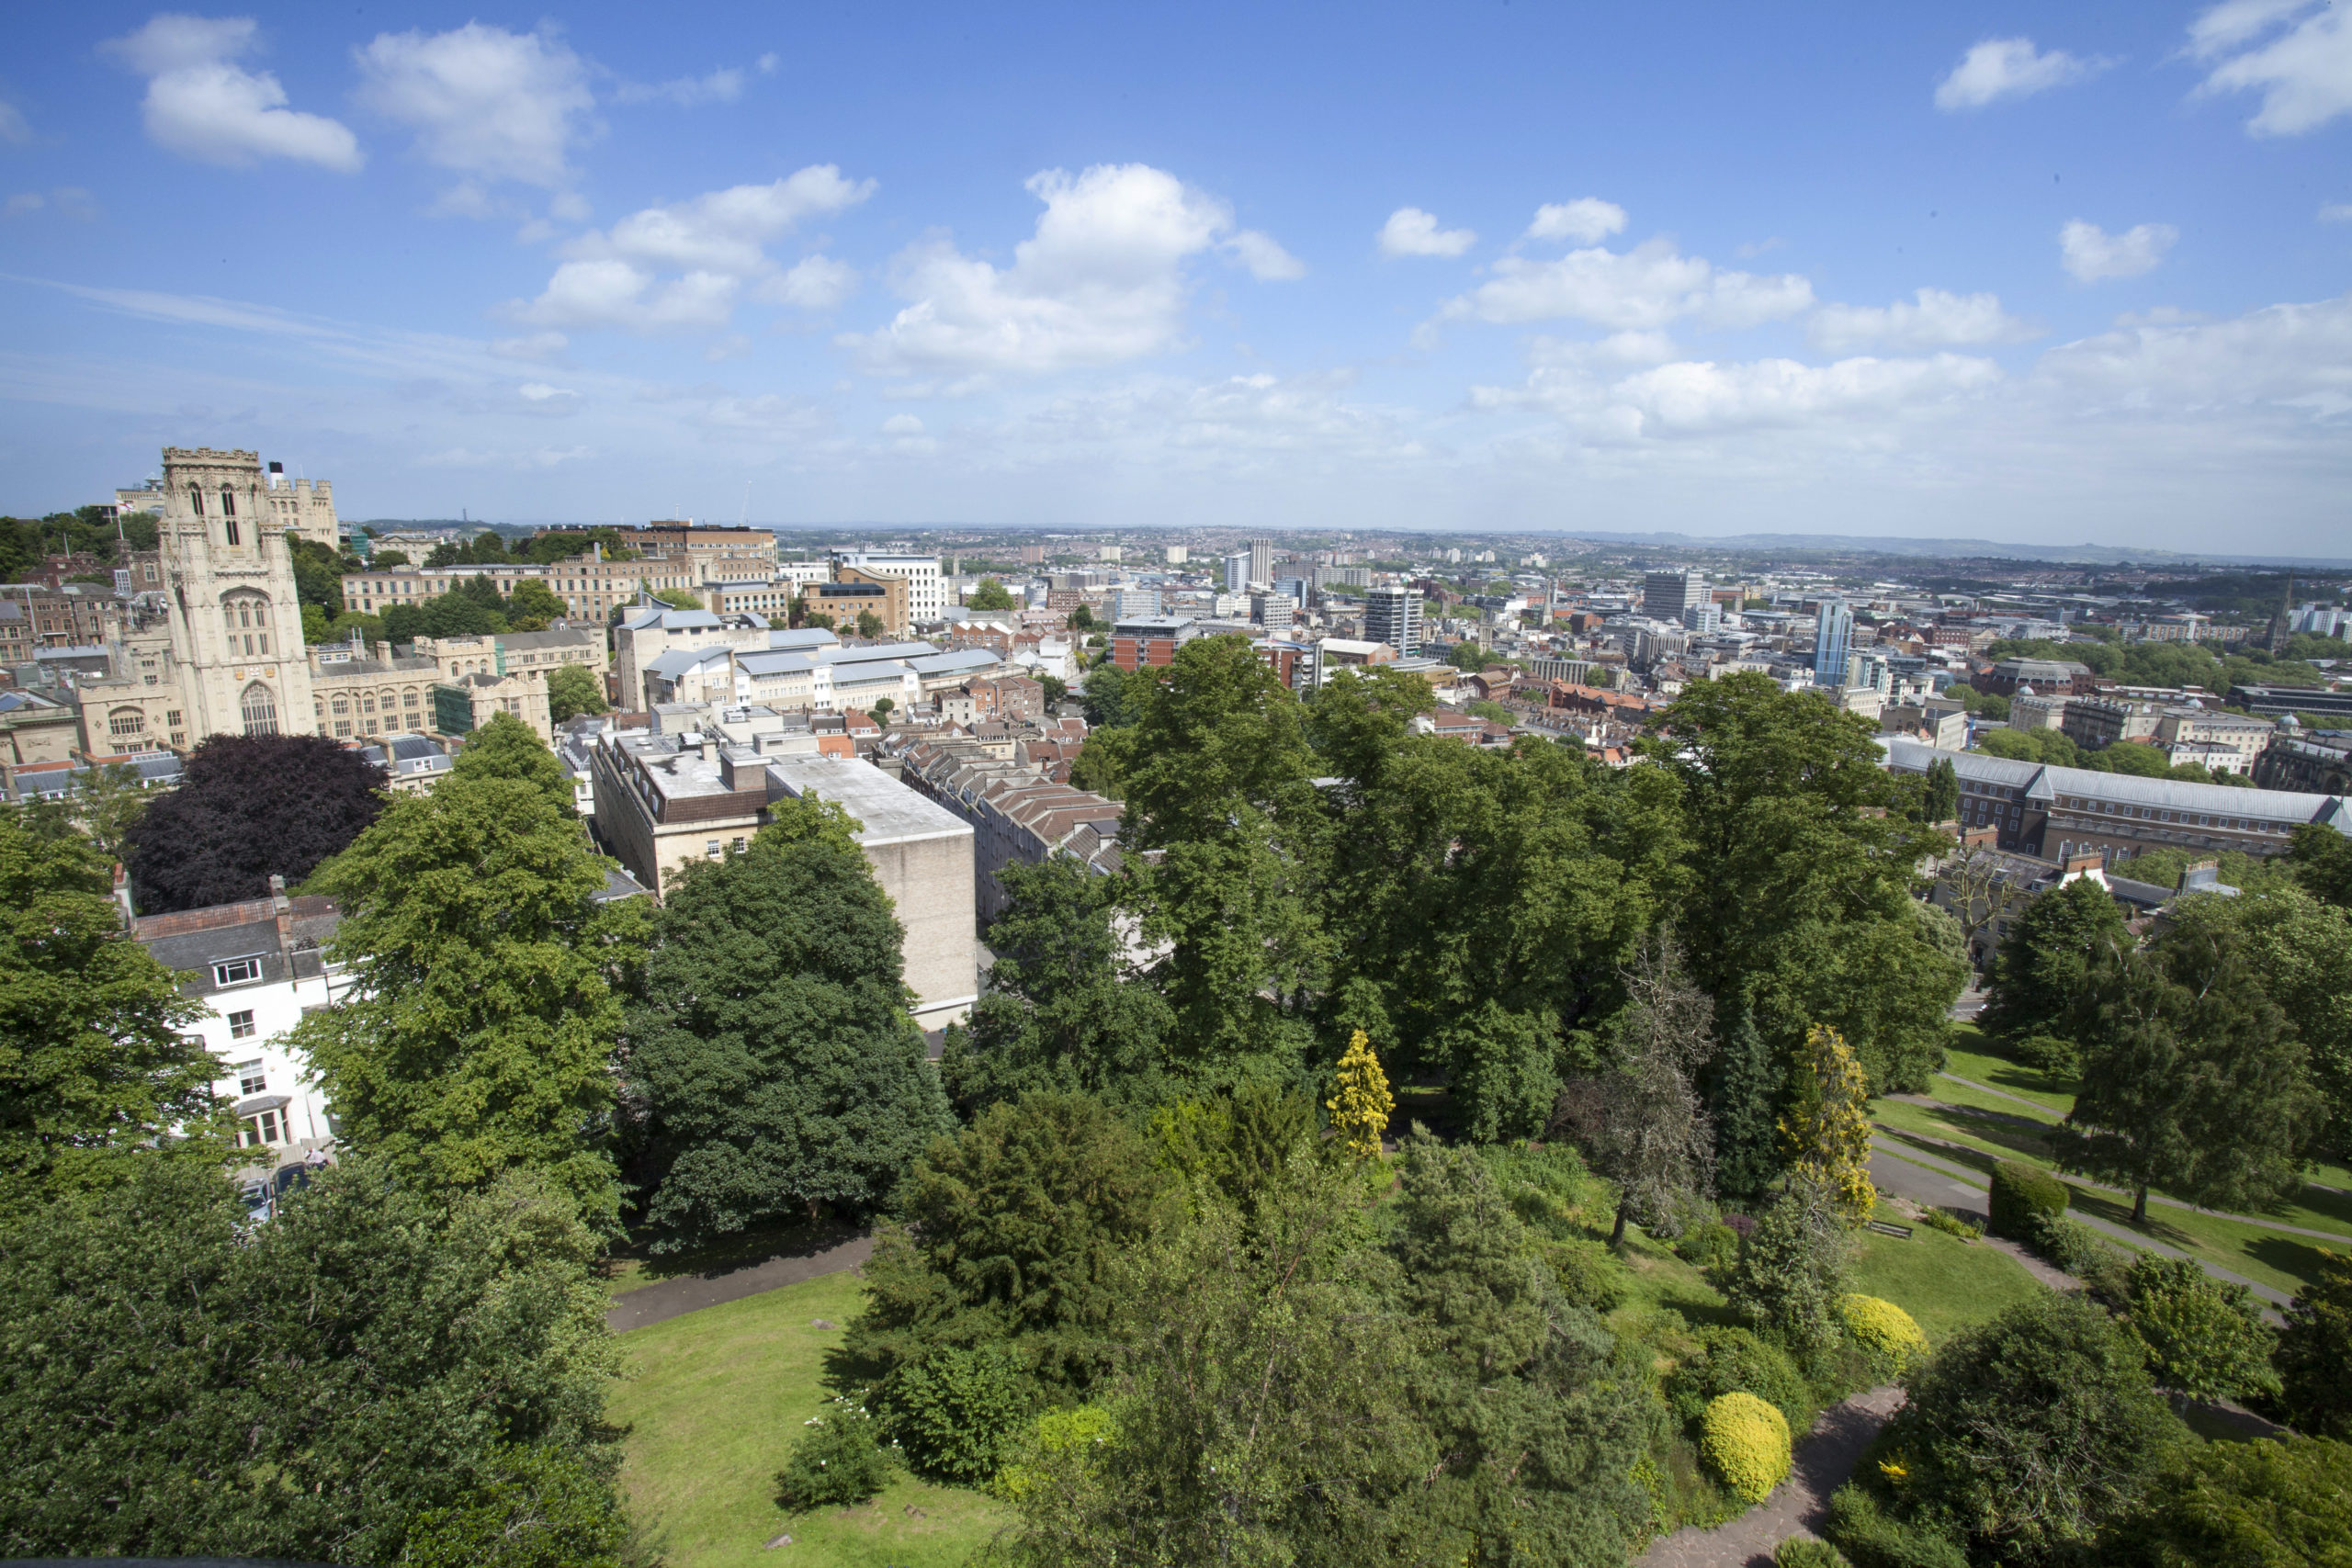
[{"x": 2070, "y": 273}]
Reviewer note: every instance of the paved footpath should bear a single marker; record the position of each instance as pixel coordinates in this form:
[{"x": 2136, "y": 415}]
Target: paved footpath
[
  {"x": 2155, "y": 1198},
  {"x": 1922, "y": 1177},
  {"x": 674, "y": 1298},
  {"x": 1825, "y": 1456}
]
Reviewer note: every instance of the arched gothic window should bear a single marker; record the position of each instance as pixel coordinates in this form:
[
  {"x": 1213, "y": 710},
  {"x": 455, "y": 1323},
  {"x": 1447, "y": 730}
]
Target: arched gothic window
[
  {"x": 196, "y": 499},
  {"x": 260, "y": 710}
]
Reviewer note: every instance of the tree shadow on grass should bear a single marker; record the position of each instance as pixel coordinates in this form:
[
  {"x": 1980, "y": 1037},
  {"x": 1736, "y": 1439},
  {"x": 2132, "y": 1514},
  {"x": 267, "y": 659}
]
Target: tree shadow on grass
[
  {"x": 2117, "y": 1210},
  {"x": 2289, "y": 1256},
  {"x": 2019, "y": 1135},
  {"x": 750, "y": 1246}
]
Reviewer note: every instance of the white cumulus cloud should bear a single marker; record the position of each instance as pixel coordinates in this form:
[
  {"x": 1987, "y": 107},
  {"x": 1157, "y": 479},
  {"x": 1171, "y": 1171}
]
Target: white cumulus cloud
[
  {"x": 1701, "y": 395},
  {"x": 2090, "y": 253},
  {"x": 1587, "y": 220},
  {"x": 2296, "y": 53},
  {"x": 721, "y": 86},
  {"x": 202, "y": 104},
  {"x": 484, "y": 102},
  {"x": 1102, "y": 280},
  {"x": 1932, "y": 319},
  {"x": 2009, "y": 68},
  {"x": 1644, "y": 288},
  {"x": 1410, "y": 232},
  {"x": 717, "y": 243}
]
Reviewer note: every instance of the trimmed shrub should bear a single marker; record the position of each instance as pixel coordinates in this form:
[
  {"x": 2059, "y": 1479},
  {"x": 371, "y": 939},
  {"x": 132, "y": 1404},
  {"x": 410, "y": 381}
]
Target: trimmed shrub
[
  {"x": 1745, "y": 1441},
  {"x": 1588, "y": 1273},
  {"x": 1871, "y": 1538},
  {"x": 2023, "y": 1196},
  {"x": 836, "y": 1461},
  {"x": 2081, "y": 1251},
  {"x": 1950, "y": 1223},
  {"x": 1714, "y": 1247},
  {"x": 2314, "y": 1348},
  {"x": 2051, "y": 1055},
  {"x": 1805, "y": 1552},
  {"x": 1889, "y": 1333},
  {"x": 955, "y": 1413},
  {"x": 1733, "y": 1361}
]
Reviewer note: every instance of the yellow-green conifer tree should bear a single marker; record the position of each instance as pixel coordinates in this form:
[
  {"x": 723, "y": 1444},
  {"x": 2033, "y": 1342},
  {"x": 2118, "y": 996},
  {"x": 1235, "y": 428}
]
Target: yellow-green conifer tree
[
  {"x": 1827, "y": 1130},
  {"x": 1360, "y": 1109}
]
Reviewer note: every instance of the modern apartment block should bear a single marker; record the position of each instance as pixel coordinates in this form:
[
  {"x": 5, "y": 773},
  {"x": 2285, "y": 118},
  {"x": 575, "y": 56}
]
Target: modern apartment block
[
  {"x": 1393, "y": 616},
  {"x": 1666, "y": 595}
]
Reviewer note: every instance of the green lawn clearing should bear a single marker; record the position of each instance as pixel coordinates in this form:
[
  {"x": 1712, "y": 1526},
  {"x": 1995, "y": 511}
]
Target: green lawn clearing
[
  {"x": 2276, "y": 1258},
  {"x": 1945, "y": 1283},
  {"x": 1975, "y": 1056},
  {"x": 713, "y": 1402}
]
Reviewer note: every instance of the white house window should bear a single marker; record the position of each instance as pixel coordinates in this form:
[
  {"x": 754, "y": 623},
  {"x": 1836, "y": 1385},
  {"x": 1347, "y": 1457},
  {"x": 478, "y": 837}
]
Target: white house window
[
  {"x": 241, "y": 1026},
  {"x": 251, "y": 1079},
  {"x": 256, "y": 1131},
  {"x": 237, "y": 971}
]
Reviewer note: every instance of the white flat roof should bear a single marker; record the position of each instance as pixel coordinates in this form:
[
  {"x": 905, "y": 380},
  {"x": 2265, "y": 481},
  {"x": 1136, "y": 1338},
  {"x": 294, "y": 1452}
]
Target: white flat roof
[{"x": 890, "y": 812}]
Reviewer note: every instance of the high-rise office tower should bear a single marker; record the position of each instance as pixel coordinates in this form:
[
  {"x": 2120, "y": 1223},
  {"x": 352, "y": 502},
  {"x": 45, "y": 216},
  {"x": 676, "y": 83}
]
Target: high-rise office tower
[
  {"x": 1393, "y": 616},
  {"x": 1262, "y": 561},
  {"x": 1237, "y": 572},
  {"x": 1666, "y": 595},
  {"x": 1833, "y": 639}
]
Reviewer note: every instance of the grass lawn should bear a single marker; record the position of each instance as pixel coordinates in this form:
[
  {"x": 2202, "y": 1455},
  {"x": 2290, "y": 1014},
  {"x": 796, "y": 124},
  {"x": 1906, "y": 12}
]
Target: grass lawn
[
  {"x": 1974, "y": 1055},
  {"x": 713, "y": 1402},
  {"x": 1946, "y": 1283},
  {"x": 2275, "y": 1258},
  {"x": 636, "y": 1267}
]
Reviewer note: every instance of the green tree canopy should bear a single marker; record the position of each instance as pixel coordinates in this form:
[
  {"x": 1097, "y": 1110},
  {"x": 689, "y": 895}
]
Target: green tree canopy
[
  {"x": 2033, "y": 1431},
  {"x": 181, "y": 1382},
  {"x": 2316, "y": 1349},
  {"x": 2039, "y": 972},
  {"x": 97, "y": 1076},
  {"x": 1795, "y": 882},
  {"x": 991, "y": 595},
  {"x": 1014, "y": 1237},
  {"x": 1059, "y": 1013},
  {"x": 506, "y": 749},
  {"x": 1219, "y": 785},
  {"x": 773, "y": 1056},
  {"x": 2192, "y": 1078},
  {"x": 572, "y": 690},
  {"x": 2266, "y": 1502},
  {"x": 532, "y": 605},
  {"x": 478, "y": 1033}
]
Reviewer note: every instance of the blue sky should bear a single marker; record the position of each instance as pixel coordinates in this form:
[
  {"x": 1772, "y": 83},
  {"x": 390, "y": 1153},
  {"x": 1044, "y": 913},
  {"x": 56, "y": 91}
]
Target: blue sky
[{"x": 2039, "y": 273}]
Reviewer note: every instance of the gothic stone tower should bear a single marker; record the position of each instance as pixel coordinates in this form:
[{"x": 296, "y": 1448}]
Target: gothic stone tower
[{"x": 236, "y": 622}]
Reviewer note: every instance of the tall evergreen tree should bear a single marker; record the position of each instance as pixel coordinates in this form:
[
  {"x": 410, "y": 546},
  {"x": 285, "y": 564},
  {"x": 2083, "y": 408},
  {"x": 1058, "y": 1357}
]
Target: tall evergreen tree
[
  {"x": 774, "y": 1059},
  {"x": 1941, "y": 801},
  {"x": 1640, "y": 1123},
  {"x": 96, "y": 1070},
  {"x": 2039, "y": 975},
  {"x": 478, "y": 1033},
  {"x": 1750, "y": 1085},
  {"x": 1059, "y": 1013}
]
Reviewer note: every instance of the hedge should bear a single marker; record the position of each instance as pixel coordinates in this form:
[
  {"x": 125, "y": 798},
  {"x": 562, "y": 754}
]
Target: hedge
[
  {"x": 2022, "y": 1197},
  {"x": 1734, "y": 1361},
  {"x": 1886, "y": 1330},
  {"x": 1746, "y": 1442}
]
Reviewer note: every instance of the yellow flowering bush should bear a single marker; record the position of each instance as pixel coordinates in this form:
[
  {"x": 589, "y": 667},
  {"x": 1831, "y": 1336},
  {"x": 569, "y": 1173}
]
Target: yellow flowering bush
[
  {"x": 1884, "y": 1330},
  {"x": 1745, "y": 1441}
]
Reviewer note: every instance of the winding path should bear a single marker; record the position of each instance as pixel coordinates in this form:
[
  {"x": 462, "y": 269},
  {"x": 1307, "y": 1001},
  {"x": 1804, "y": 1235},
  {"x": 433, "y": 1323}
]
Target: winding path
[{"x": 1799, "y": 1505}]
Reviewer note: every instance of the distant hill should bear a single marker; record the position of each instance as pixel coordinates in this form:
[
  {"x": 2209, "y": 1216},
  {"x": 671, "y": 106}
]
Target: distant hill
[{"x": 2091, "y": 555}]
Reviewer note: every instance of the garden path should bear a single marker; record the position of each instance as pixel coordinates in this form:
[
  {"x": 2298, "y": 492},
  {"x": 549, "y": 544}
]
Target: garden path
[
  {"x": 674, "y": 1298},
  {"x": 1825, "y": 1456}
]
